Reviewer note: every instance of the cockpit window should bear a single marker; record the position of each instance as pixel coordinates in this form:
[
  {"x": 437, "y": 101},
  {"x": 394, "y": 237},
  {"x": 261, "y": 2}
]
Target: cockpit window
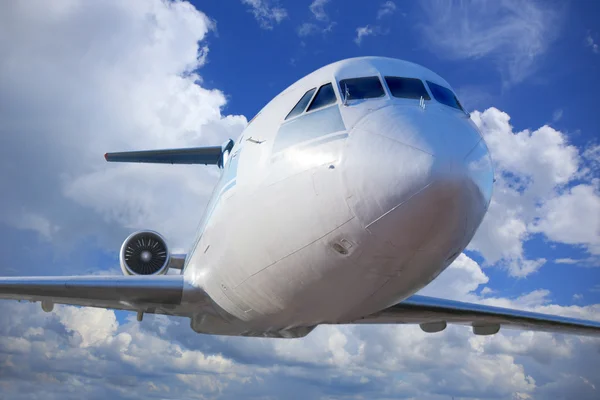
[
  {"x": 361, "y": 88},
  {"x": 325, "y": 96},
  {"x": 444, "y": 95},
  {"x": 407, "y": 88},
  {"x": 301, "y": 105}
]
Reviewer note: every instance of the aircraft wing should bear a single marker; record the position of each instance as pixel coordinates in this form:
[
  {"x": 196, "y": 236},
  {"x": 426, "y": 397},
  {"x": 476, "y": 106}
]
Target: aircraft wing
[
  {"x": 433, "y": 314},
  {"x": 149, "y": 294}
]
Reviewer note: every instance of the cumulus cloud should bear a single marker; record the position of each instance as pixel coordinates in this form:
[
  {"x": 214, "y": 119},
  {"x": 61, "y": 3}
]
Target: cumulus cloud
[
  {"x": 581, "y": 204},
  {"x": 43, "y": 354},
  {"x": 266, "y": 14},
  {"x": 512, "y": 34},
  {"x": 459, "y": 281},
  {"x": 87, "y": 351},
  {"x": 532, "y": 193},
  {"x": 129, "y": 80}
]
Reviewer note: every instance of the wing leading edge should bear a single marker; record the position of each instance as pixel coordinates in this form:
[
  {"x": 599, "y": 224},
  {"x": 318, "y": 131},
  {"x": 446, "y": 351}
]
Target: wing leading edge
[
  {"x": 433, "y": 314},
  {"x": 151, "y": 294},
  {"x": 207, "y": 155},
  {"x": 194, "y": 155}
]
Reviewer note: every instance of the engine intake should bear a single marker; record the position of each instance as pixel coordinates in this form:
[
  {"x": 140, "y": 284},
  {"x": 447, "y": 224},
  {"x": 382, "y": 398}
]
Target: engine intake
[{"x": 144, "y": 253}]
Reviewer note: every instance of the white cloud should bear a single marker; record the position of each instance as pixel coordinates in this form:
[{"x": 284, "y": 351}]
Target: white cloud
[
  {"x": 34, "y": 222},
  {"x": 317, "y": 7},
  {"x": 266, "y": 15},
  {"x": 486, "y": 290},
  {"x": 368, "y": 30},
  {"x": 128, "y": 80},
  {"x": 591, "y": 156},
  {"x": 361, "y": 32},
  {"x": 93, "y": 354},
  {"x": 387, "y": 8},
  {"x": 566, "y": 261},
  {"x": 572, "y": 217},
  {"x": 543, "y": 155},
  {"x": 512, "y": 34},
  {"x": 45, "y": 351},
  {"x": 320, "y": 23},
  {"x": 589, "y": 42},
  {"x": 459, "y": 281},
  {"x": 89, "y": 325},
  {"x": 591, "y": 261},
  {"x": 532, "y": 170}
]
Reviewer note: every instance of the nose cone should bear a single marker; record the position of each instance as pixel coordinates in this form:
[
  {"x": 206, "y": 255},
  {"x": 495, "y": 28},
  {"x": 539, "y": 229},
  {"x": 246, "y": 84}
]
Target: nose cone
[{"x": 418, "y": 177}]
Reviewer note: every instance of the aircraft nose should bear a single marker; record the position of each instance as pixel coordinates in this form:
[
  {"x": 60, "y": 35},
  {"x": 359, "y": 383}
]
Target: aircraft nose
[{"x": 414, "y": 176}]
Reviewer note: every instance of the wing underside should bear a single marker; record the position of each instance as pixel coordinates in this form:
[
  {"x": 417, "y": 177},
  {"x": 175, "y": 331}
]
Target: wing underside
[
  {"x": 433, "y": 314},
  {"x": 149, "y": 294}
]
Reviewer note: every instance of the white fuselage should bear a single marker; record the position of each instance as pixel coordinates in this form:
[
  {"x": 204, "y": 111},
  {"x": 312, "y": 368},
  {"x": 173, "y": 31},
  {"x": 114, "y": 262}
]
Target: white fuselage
[{"x": 341, "y": 211}]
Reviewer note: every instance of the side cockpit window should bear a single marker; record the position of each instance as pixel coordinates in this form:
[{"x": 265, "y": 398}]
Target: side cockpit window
[
  {"x": 325, "y": 96},
  {"x": 301, "y": 105},
  {"x": 361, "y": 88},
  {"x": 407, "y": 88},
  {"x": 444, "y": 95}
]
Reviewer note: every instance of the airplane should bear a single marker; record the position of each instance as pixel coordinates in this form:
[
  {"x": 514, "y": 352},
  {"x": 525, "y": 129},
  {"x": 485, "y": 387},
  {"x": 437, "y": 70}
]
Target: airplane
[{"x": 345, "y": 195}]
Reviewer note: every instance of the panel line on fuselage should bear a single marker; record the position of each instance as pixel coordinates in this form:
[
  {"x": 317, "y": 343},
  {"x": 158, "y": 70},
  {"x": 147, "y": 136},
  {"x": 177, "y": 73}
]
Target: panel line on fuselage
[
  {"x": 293, "y": 252},
  {"x": 227, "y": 181}
]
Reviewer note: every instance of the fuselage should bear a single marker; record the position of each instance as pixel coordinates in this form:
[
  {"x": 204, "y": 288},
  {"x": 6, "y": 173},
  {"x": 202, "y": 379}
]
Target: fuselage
[{"x": 337, "y": 210}]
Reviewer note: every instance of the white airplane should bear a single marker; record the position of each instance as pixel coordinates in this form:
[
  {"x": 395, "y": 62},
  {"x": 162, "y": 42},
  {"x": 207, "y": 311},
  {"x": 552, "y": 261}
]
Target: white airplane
[{"x": 344, "y": 196}]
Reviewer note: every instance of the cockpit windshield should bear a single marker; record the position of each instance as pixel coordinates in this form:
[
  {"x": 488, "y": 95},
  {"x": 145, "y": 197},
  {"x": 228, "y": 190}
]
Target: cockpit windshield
[
  {"x": 407, "y": 88},
  {"x": 301, "y": 105},
  {"x": 444, "y": 95},
  {"x": 361, "y": 88},
  {"x": 325, "y": 96}
]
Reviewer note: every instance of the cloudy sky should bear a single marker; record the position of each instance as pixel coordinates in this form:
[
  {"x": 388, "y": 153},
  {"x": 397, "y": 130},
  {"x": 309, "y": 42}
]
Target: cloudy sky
[{"x": 79, "y": 78}]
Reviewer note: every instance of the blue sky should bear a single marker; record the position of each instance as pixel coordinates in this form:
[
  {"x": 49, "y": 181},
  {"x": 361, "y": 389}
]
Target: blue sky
[
  {"x": 79, "y": 78},
  {"x": 252, "y": 64}
]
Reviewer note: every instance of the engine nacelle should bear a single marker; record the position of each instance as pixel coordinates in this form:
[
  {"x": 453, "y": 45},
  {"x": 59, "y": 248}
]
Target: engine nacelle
[{"x": 144, "y": 253}]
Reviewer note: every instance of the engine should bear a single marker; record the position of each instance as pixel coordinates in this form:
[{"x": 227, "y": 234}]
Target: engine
[{"x": 144, "y": 253}]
